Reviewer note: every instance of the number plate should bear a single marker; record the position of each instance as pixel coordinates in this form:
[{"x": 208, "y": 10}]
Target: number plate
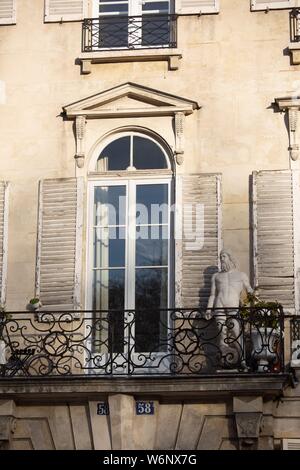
[
  {"x": 102, "y": 408},
  {"x": 145, "y": 408}
]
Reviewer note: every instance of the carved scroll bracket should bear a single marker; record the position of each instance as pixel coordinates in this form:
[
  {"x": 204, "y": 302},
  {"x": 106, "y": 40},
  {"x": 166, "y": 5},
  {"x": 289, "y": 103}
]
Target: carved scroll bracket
[
  {"x": 179, "y": 137},
  {"x": 80, "y": 124},
  {"x": 248, "y": 416},
  {"x": 291, "y": 105}
]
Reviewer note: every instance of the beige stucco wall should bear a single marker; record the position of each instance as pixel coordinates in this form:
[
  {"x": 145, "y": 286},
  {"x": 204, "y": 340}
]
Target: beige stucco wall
[
  {"x": 233, "y": 65},
  {"x": 191, "y": 424}
]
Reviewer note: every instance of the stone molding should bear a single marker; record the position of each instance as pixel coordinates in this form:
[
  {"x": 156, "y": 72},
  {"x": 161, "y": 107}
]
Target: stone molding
[
  {"x": 172, "y": 56},
  {"x": 141, "y": 102},
  {"x": 291, "y": 105},
  {"x": 248, "y": 412}
]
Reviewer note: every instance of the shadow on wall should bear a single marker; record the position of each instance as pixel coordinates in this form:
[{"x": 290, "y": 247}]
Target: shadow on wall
[{"x": 204, "y": 291}]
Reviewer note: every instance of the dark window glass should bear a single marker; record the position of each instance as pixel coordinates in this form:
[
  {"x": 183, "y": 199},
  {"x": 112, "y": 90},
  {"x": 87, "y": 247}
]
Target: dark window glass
[
  {"x": 115, "y": 156},
  {"x": 151, "y": 289},
  {"x": 147, "y": 155}
]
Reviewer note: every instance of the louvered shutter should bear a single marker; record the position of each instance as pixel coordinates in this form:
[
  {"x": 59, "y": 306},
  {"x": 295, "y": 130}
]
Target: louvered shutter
[
  {"x": 65, "y": 10},
  {"x": 3, "y": 238},
  {"x": 198, "y": 197},
  {"x": 186, "y": 7},
  {"x": 59, "y": 243},
  {"x": 272, "y": 4},
  {"x": 8, "y": 11},
  {"x": 291, "y": 444},
  {"x": 273, "y": 236}
]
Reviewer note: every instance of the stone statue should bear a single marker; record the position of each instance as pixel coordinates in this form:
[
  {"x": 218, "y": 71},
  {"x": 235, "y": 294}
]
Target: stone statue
[
  {"x": 227, "y": 285},
  {"x": 226, "y": 289}
]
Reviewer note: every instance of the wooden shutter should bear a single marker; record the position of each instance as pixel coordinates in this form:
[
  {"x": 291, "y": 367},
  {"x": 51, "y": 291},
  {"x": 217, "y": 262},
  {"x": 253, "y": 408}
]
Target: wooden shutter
[
  {"x": 273, "y": 236},
  {"x": 65, "y": 10},
  {"x": 58, "y": 282},
  {"x": 186, "y": 7},
  {"x": 3, "y": 238},
  {"x": 272, "y": 4},
  {"x": 196, "y": 264},
  {"x": 290, "y": 444},
  {"x": 8, "y": 11}
]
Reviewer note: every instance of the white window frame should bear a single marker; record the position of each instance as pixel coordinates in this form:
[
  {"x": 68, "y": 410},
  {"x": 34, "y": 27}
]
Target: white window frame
[
  {"x": 130, "y": 179},
  {"x": 131, "y": 184},
  {"x": 135, "y": 9}
]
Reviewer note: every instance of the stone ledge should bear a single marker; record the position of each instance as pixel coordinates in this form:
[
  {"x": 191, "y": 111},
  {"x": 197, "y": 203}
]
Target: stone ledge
[
  {"x": 172, "y": 56},
  {"x": 30, "y": 389},
  {"x": 294, "y": 50}
]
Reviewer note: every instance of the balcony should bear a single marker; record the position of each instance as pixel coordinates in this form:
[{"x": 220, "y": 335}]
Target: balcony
[
  {"x": 171, "y": 343},
  {"x": 129, "y": 32}
]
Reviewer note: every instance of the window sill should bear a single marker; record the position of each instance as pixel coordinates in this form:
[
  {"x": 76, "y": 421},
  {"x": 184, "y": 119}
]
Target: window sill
[{"x": 172, "y": 56}]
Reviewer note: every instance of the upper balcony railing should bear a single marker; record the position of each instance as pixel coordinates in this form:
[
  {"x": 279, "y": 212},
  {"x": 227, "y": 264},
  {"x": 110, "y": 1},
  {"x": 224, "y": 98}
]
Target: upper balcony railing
[
  {"x": 173, "y": 342},
  {"x": 129, "y": 32}
]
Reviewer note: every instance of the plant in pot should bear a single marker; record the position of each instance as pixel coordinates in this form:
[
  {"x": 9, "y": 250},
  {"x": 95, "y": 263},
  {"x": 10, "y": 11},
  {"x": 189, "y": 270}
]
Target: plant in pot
[
  {"x": 263, "y": 319},
  {"x": 34, "y": 304}
]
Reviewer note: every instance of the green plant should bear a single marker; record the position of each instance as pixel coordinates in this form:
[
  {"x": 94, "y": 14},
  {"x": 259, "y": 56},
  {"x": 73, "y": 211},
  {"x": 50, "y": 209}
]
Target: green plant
[
  {"x": 33, "y": 301},
  {"x": 260, "y": 312}
]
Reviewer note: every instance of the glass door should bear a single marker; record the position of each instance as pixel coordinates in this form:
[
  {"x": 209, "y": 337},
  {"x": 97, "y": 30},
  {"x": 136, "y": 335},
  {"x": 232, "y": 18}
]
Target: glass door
[
  {"x": 132, "y": 23},
  {"x": 129, "y": 273}
]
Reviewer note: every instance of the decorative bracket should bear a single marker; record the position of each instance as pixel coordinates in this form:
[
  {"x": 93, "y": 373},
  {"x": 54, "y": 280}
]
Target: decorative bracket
[
  {"x": 179, "y": 137},
  {"x": 248, "y": 416},
  {"x": 80, "y": 124},
  {"x": 291, "y": 105}
]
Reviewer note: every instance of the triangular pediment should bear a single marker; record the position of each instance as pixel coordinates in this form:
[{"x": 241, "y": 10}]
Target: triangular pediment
[{"x": 130, "y": 99}]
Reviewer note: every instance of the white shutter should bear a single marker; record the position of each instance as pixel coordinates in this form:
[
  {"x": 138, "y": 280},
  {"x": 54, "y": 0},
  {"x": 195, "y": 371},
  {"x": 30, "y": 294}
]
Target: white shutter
[
  {"x": 273, "y": 236},
  {"x": 3, "y": 238},
  {"x": 272, "y": 4},
  {"x": 186, "y": 7},
  {"x": 65, "y": 10},
  {"x": 291, "y": 444},
  {"x": 58, "y": 282},
  {"x": 8, "y": 11},
  {"x": 196, "y": 262}
]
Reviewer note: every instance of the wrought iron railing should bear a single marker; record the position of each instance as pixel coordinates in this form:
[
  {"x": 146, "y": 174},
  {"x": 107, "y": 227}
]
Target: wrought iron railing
[
  {"x": 129, "y": 32},
  {"x": 295, "y": 340},
  {"x": 176, "y": 342}
]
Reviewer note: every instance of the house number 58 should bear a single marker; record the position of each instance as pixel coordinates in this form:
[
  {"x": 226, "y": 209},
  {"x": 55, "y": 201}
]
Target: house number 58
[{"x": 144, "y": 408}]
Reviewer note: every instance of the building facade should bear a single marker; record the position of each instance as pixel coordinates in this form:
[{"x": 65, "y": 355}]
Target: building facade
[{"x": 141, "y": 138}]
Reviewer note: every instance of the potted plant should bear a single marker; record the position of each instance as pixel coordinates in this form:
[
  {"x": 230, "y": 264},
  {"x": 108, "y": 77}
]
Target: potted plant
[
  {"x": 263, "y": 320},
  {"x": 35, "y": 304}
]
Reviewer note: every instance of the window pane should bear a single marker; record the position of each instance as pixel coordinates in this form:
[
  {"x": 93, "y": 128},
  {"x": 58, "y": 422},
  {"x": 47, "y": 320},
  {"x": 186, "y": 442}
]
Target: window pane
[
  {"x": 113, "y": 8},
  {"x": 115, "y": 156},
  {"x": 151, "y": 288},
  {"x": 156, "y": 31},
  {"x": 154, "y": 6},
  {"x": 108, "y": 289},
  {"x": 110, "y": 205},
  {"x": 152, "y": 248},
  {"x": 147, "y": 155},
  {"x": 109, "y": 247},
  {"x": 151, "y": 296},
  {"x": 152, "y": 203}
]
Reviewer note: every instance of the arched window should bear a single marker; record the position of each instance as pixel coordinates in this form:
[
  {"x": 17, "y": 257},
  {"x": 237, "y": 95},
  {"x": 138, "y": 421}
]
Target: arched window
[
  {"x": 130, "y": 245},
  {"x": 132, "y": 152}
]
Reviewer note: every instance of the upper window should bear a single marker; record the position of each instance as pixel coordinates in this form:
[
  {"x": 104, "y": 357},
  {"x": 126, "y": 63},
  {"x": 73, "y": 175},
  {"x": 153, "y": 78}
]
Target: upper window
[
  {"x": 130, "y": 24},
  {"x": 132, "y": 152},
  {"x": 130, "y": 7}
]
